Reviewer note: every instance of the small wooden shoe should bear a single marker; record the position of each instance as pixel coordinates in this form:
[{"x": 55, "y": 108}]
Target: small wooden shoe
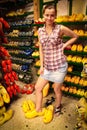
[{"x": 28, "y": 89}]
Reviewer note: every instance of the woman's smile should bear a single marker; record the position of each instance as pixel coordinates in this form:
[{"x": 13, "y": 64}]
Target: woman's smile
[{"x": 49, "y": 16}]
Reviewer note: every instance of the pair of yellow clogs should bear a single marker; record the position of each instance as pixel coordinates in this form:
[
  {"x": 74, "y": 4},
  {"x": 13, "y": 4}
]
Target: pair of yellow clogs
[{"x": 30, "y": 111}]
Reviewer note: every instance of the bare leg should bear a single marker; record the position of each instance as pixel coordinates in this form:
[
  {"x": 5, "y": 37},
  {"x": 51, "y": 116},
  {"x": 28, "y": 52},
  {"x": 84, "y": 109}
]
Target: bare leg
[
  {"x": 39, "y": 87},
  {"x": 58, "y": 93}
]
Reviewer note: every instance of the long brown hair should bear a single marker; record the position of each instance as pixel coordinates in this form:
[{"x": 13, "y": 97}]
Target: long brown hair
[{"x": 50, "y": 6}]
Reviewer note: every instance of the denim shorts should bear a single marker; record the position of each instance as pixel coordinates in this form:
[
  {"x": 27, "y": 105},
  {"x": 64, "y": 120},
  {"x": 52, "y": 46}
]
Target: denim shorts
[{"x": 56, "y": 76}]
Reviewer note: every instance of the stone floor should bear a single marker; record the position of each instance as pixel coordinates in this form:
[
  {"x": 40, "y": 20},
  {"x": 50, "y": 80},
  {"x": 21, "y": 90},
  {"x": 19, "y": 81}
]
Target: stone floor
[{"x": 66, "y": 121}]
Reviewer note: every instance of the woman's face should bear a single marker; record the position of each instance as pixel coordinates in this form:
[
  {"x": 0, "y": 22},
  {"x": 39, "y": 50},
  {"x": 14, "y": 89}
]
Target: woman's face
[{"x": 49, "y": 16}]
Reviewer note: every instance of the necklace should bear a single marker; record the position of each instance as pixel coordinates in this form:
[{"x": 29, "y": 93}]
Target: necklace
[{"x": 49, "y": 29}]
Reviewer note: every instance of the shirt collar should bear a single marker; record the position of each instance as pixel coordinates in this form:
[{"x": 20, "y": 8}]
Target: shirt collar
[{"x": 44, "y": 27}]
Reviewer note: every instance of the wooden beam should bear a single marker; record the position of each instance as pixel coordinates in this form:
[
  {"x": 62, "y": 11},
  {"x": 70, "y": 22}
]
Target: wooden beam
[
  {"x": 36, "y": 9},
  {"x": 41, "y": 8},
  {"x": 70, "y": 7}
]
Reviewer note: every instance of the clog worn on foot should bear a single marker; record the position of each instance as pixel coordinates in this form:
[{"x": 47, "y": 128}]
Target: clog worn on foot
[
  {"x": 42, "y": 112},
  {"x": 6, "y": 116},
  {"x": 31, "y": 114},
  {"x": 2, "y": 110},
  {"x": 34, "y": 113},
  {"x": 48, "y": 116}
]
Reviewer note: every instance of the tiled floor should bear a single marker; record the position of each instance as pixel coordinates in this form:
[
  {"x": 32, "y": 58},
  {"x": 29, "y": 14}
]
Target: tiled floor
[{"x": 66, "y": 121}]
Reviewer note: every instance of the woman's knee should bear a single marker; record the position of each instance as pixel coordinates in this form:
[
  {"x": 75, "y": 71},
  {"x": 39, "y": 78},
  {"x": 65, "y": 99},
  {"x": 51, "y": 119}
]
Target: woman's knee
[
  {"x": 40, "y": 84},
  {"x": 57, "y": 88},
  {"x": 57, "y": 91},
  {"x": 38, "y": 88}
]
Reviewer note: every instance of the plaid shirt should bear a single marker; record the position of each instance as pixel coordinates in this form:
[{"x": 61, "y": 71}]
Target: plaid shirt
[{"x": 52, "y": 48}]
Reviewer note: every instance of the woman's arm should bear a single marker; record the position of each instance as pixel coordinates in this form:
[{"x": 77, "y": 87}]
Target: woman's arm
[{"x": 68, "y": 32}]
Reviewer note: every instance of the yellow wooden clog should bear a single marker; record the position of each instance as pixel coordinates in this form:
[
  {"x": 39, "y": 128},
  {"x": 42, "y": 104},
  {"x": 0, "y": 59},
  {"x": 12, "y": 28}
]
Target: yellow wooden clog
[
  {"x": 25, "y": 106},
  {"x": 48, "y": 116},
  {"x": 4, "y": 94},
  {"x": 31, "y": 104},
  {"x": 31, "y": 114},
  {"x": 6, "y": 116},
  {"x": 28, "y": 105},
  {"x": 2, "y": 110},
  {"x": 34, "y": 113}
]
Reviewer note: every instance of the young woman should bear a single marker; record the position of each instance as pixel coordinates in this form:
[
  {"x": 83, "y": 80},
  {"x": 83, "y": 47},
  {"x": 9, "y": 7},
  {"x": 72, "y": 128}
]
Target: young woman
[{"x": 53, "y": 62}]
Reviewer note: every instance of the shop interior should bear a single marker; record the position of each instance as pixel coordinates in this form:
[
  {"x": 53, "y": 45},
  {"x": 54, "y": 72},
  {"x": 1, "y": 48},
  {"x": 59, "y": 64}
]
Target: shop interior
[{"x": 20, "y": 66}]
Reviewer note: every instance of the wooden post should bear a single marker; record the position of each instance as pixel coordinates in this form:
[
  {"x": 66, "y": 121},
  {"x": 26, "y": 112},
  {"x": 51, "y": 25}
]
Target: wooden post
[
  {"x": 41, "y": 7},
  {"x": 70, "y": 7},
  {"x": 36, "y": 9}
]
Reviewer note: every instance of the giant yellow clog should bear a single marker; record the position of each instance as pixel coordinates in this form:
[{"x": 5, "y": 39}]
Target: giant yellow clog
[
  {"x": 4, "y": 93},
  {"x": 48, "y": 116},
  {"x": 6, "y": 116},
  {"x": 2, "y": 110},
  {"x": 34, "y": 113}
]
